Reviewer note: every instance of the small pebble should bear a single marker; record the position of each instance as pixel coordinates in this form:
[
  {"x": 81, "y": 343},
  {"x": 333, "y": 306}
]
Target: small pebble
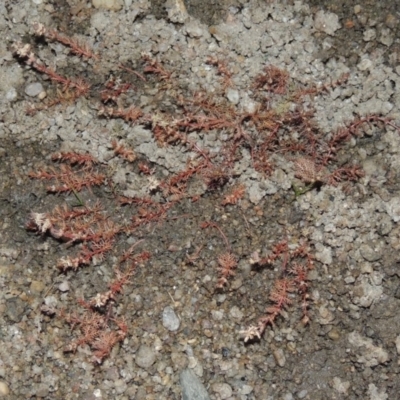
[
  {"x": 145, "y": 357},
  {"x": 170, "y": 320},
  {"x": 223, "y": 389},
  {"x": 63, "y": 286},
  {"x": 37, "y": 286},
  {"x": 34, "y": 89},
  {"x": 4, "y": 389},
  {"x": 279, "y": 357}
]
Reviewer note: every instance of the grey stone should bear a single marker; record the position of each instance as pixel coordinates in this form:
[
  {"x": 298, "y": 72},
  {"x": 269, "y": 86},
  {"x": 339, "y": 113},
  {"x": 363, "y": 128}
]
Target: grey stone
[
  {"x": 371, "y": 253},
  {"x": 15, "y": 309},
  {"x": 223, "y": 389},
  {"x": 112, "y": 5},
  {"x": 11, "y": 95},
  {"x": 192, "y": 388},
  {"x": 34, "y": 89},
  {"x": 366, "y": 292},
  {"x": 195, "y": 29},
  {"x": 233, "y": 96},
  {"x": 376, "y": 394},
  {"x": 145, "y": 357},
  {"x": 393, "y": 209},
  {"x": 326, "y": 22},
  {"x": 386, "y": 37},
  {"x": 369, "y": 34},
  {"x": 368, "y": 353},
  {"x": 170, "y": 320}
]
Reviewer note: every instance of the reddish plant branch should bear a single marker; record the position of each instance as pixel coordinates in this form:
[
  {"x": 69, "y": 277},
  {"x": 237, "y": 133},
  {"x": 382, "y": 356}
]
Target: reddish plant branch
[
  {"x": 81, "y": 49},
  {"x": 295, "y": 266},
  {"x": 25, "y": 53}
]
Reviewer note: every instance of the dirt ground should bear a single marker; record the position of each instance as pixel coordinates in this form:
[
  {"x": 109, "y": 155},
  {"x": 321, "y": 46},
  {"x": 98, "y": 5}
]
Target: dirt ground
[{"x": 201, "y": 267}]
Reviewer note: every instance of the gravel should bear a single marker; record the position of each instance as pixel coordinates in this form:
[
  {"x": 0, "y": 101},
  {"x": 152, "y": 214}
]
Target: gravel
[{"x": 184, "y": 336}]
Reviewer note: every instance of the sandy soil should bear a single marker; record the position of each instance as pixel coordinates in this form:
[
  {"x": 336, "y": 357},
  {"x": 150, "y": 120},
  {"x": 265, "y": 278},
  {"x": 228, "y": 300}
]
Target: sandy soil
[{"x": 222, "y": 182}]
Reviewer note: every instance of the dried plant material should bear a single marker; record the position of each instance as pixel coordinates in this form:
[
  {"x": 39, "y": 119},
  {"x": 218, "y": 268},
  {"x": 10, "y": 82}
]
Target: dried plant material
[
  {"x": 75, "y": 158},
  {"x": 348, "y": 173},
  {"x": 281, "y": 126},
  {"x": 130, "y": 114},
  {"x": 78, "y": 86},
  {"x": 306, "y": 170},
  {"x": 236, "y": 194},
  {"x": 100, "y": 332},
  {"x": 294, "y": 266},
  {"x": 145, "y": 169},
  {"x": 114, "y": 88},
  {"x": 124, "y": 152},
  {"x": 222, "y": 69},
  {"x": 66, "y": 179},
  {"x": 215, "y": 176},
  {"x": 273, "y": 80},
  {"x": 86, "y": 225},
  {"x": 81, "y": 49},
  {"x": 227, "y": 263},
  {"x": 155, "y": 67}
]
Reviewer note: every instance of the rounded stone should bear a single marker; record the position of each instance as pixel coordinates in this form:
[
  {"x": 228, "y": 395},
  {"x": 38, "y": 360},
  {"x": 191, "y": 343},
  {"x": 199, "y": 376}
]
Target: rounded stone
[
  {"x": 170, "y": 319},
  {"x": 34, "y": 89}
]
